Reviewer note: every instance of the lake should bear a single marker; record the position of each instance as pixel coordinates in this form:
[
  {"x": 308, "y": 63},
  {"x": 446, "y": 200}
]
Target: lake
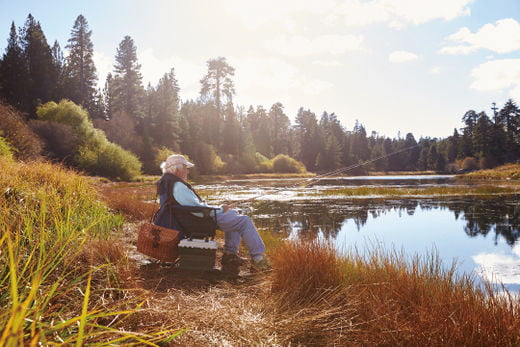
[{"x": 480, "y": 233}]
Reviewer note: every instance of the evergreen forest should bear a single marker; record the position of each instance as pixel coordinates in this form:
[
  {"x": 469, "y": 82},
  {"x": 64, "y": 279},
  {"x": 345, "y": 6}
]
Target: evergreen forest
[{"x": 51, "y": 106}]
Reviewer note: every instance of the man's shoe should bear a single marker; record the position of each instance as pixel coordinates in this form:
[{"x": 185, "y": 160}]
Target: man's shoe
[
  {"x": 233, "y": 259},
  {"x": 261, "y": 265},
  {"x": 231, "y": 264}
]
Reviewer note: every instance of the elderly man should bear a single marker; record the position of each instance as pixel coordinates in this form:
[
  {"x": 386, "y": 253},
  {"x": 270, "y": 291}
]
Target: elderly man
[{"x": 234, "y": 225}]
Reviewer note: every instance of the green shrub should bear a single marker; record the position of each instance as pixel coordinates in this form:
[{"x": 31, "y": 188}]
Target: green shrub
[
  {"x": 284, "y": 164},
  {"x": 5, "y": 149},
  {"x": 25, "y": 144},
  {"x": 263, "y": 164},
  {"x": 95, "y": 153},
  {"x": 109, "y": 160},
  {"x": 208, "y": 161},
  {"x": 160, "y": 155}
]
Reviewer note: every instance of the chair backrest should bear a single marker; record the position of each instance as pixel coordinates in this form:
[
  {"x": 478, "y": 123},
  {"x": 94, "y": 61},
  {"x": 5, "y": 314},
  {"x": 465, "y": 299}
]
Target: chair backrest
[{"x": 196, "y": 221}]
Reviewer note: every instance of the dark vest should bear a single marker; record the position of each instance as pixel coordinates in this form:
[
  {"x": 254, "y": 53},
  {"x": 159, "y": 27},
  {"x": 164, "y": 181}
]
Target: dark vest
[{"x": 175, "y": 218}]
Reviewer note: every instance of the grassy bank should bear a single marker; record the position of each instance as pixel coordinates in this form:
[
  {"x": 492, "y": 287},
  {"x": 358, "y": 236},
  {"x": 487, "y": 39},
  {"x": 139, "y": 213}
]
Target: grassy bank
[
  {"x": 504, "y": 172},
  {"x": 61, "y": 273},
  {"x": 393, "y": 192},
  {"x": 385, "y": 299},
  {"x": 65, "y": 279}
]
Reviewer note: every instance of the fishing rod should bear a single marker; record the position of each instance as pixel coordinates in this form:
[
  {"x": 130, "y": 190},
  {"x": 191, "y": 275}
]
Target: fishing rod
[{"x": 335, "y": 172}]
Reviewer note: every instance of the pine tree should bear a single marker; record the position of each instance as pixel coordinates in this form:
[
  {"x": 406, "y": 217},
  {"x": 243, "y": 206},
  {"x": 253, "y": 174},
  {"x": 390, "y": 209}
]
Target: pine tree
[
  {"x": 80, "y": 68},
  {"x": 126, "y": 86},
  {"x": 14, "y": 76},
  {"x": 482, "y": 136},
  {"x": 259, "y": 124},
  {"x": 42, "y": 73},
  {"x": 509, "y": 117},
  {"x": 280, "y": 128},
  {"x": 164, "y": 112},
  {"x": 217, "y": 84},
  {"x": 307, "y": 133},
  {"x": 217, "y": 90},
  {"x": 231, "y": 132},
  {"x": 59, "y": 66}
]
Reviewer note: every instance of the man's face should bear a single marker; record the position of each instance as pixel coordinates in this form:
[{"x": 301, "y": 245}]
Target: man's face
[{"x": 183, "y": 172}]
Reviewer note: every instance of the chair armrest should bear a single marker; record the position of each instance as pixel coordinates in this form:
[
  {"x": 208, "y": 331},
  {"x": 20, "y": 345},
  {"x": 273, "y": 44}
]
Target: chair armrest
[{"x": 205, "y": 210}]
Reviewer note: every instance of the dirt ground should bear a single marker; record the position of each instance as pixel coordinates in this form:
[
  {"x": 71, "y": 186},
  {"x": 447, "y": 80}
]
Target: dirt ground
[{"x": 212, "y": 310}]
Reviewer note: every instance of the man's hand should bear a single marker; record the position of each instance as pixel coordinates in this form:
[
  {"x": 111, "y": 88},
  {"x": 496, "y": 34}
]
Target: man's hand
[{"x": 226, "y": 207}]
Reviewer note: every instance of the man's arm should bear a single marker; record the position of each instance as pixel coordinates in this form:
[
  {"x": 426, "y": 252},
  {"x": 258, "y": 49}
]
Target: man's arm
[{"x": 186, "y": 197}]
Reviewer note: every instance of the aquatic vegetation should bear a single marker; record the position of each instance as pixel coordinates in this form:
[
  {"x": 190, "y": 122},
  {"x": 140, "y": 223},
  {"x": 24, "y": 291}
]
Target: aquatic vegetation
[
  {"x": 414, "y": 192},
  {"x": 504, "y": 172}
]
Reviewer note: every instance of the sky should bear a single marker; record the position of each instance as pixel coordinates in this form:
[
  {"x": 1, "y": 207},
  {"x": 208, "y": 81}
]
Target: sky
[{"x": 396, "y": 66}]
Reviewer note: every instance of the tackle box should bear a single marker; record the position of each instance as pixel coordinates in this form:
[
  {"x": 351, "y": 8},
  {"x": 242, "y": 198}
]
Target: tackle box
[{"x": 197, "y": 254}]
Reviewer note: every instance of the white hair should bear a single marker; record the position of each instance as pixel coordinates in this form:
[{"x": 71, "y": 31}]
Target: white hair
[
  {"x": 170, "y": 168},
  {"x": 173, "y": 163}
]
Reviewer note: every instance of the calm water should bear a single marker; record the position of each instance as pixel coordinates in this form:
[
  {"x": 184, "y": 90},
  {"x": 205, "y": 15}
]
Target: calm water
[{"x": 480, "y": 233}]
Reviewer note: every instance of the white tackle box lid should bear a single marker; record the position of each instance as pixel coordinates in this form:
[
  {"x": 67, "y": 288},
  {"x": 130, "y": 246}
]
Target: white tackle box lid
[{"x": 198, "y": 243}]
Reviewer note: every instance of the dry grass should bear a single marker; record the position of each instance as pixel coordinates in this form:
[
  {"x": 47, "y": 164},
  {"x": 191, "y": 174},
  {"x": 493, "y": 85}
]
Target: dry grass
[
  {"x": 62, "y": 275},
  {"x": 413, "y": 192},
  {"x": 386, "y": 300},
  {"x": 136, "y": 201},
  {"x": 504, "y": 172}
]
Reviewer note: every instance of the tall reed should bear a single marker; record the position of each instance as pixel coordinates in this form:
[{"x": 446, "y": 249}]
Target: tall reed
[
  {"x": 384, "y": 298},
  {"x": 52, "y": 289}
]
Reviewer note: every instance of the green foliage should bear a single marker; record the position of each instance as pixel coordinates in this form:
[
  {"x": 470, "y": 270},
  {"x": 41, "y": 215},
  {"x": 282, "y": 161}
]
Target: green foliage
[
  {"x": 14, "y": 73},
  {"x": 5, "y": 149},
  {"x": 284, "y": 164},
  {"x": 161, "y": 154},
  {"x": 95, "y": 153},
  {"x": 80, "y": 69},
  {"x": 263, "y": 164},
  {"x": 206, "y": 159},
  {"x": 109, "y": 160},
  {"x": 43, "y": 73},
  {"x": 55, "y": 257}
]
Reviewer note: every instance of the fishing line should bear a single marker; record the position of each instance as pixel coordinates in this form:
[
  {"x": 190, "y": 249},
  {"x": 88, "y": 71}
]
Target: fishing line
[{"x": 332, "y": 173}]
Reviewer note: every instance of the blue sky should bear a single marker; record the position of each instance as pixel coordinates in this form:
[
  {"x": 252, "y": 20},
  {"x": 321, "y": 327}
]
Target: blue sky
[{"x": 395, "y": 65}]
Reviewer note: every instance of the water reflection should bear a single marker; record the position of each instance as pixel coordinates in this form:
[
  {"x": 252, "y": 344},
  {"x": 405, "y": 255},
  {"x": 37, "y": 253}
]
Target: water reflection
[
  {"x": 499, "y": 217},
  {"x": 481, "y": 233}
]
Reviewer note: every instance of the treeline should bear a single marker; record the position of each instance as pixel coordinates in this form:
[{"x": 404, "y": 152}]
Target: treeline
[{"x": 218, "y": 135}]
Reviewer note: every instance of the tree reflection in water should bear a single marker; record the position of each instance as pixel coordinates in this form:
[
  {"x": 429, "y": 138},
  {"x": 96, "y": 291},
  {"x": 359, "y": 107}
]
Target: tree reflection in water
[{"x": 496, "y": 215}]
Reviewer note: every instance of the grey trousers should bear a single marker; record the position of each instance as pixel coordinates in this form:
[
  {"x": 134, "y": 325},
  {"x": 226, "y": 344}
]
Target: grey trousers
[{"x": 236, "y": 227}]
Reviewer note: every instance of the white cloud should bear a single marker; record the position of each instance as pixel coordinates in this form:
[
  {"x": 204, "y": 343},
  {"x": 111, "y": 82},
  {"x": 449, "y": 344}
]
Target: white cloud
[
  {"x": 498, "y": 75},
  {"x": 458, "y": 50},
  {"x": 327, "y": 63},
  {"x": 325, "y": 44},
  {"x": 498, "y": 267},
  {"x": 423, "y": 11},
  {"x": 504, "y": 37},
  {"x": 397, "y": 13},
  {"x": 402, "y": 57},
  {"x": 104, "y": 65},
  {"x": 435, "y": 70}
]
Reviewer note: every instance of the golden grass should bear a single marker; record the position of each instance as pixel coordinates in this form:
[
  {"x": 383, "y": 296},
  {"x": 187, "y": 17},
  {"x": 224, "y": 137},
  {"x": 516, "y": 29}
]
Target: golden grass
[
  {"x": 60, "y": 271},
  {"x": 387, "y": 300},
  {"x": 135, "y": 201},
  {"x": 429, "y": 191},
  {"x": 504, "y": 172}
]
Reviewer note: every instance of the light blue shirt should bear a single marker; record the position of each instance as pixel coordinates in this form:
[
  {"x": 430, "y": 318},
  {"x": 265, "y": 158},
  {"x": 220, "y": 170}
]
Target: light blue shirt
[{"x": 185, "y": 196}]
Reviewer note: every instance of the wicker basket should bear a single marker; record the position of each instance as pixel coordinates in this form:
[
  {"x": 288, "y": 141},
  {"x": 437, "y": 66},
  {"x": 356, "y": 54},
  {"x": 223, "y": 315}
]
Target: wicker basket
[{"x": 158, "y": 242}]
